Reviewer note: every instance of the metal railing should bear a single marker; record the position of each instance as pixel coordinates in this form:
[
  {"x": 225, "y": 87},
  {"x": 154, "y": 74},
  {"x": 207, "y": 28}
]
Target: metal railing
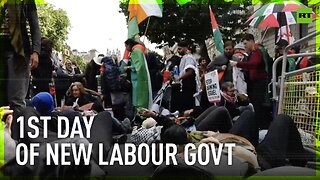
[{"x": 297, "y": 94}]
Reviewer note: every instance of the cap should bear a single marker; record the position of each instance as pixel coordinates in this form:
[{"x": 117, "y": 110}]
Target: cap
[{"x": 43, "y": 102}]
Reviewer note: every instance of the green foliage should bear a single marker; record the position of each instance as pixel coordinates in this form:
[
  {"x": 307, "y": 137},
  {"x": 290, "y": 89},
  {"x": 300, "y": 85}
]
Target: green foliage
[
  {"x": 80, "y": 62},
  {"x": 54, "y": 24},
  {"x": 191, "y": 22}
]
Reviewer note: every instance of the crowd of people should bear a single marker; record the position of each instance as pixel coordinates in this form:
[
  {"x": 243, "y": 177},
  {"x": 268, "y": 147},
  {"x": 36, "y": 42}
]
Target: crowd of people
[{"x": 130, "y": 88}]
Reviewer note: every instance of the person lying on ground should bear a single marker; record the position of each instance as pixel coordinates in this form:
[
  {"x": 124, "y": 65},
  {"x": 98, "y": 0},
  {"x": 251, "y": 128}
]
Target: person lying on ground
[
  {"x": 282, "y": 141},
  {"x": 215, "y": 119},
  {"x": 234, "y": 102}
]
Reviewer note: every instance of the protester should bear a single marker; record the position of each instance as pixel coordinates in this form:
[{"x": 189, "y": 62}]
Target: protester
[
  {"x": 281, "y": 142},
  {"x": 92, "y": 70},
  {"x": 62, "y": 83},
  {"x": 111, "y": 83},
  {"x": 240, "y": 75},
  {"x": 154, "y": 66},
  {"x": 229, "y": 100},
  {"x": 141, "y": 84},
  {"x": 75, "y": 67},
  {"x": 291, "y": 64},
  {"x": 186, "y": 95},
  {"x": 16, "y": 54},
  {"x": 257, "y": 82},
  {"x": 42, "y": 76},
  {"x": 221, "y": 63},
  {"x": 125, "y": 76},
  {"x": 81, "y": 100}
]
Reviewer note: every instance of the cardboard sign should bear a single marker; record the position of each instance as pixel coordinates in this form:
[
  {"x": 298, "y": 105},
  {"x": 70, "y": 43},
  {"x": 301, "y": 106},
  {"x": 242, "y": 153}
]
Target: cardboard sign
[{"x": 212, "y": 86}]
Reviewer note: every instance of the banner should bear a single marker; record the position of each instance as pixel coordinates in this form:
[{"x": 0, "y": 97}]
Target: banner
[{"x": 212, "y": 86}]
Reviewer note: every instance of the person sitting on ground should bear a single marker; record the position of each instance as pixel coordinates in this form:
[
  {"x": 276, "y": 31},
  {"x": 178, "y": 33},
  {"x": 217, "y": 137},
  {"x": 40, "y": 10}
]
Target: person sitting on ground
[
  {"x": 230, "y": 101},
  {"x": 81, "y": 100}
]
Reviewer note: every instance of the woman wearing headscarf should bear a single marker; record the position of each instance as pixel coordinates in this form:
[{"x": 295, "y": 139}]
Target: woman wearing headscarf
[{"x": 141, "y": 84}]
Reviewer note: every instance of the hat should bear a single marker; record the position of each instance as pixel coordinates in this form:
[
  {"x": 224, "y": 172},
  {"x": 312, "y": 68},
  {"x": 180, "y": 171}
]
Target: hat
[
  {"x": 97, "y": 60},
  {"x": 239, "y": 46},
  {"x": 43, "y": 102}
]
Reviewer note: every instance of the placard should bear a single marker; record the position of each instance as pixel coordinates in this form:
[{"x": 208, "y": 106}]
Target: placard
[{"x": 212, "y": 86}]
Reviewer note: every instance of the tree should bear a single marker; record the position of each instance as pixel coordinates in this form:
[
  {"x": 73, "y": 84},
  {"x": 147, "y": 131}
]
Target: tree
[
  {"x": 54, "y": 24},
  {"x": 191, "y": 22}
]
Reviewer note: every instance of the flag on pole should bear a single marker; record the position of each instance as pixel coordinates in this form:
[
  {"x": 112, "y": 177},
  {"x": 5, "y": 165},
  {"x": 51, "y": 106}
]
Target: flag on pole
[
  {"x": 285, "y": 33},
  {"x": 141, "y": 9},
  {"x": 217, "y": 37}
]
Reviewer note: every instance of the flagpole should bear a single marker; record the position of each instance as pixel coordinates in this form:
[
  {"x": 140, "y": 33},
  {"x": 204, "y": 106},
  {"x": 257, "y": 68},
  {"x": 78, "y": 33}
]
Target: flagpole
[{"x": 145, "y": 32}]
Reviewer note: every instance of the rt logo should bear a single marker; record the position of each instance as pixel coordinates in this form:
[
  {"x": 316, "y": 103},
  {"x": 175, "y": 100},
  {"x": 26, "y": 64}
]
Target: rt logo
[{"x": 304, "y": 15}]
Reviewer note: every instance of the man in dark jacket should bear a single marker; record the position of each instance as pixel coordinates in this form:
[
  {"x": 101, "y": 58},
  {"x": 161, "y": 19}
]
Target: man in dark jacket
[
  {"x": 221, "y": 62},
  {"x": 92, "y": 70},
  {"x": 17, "y": 55}
]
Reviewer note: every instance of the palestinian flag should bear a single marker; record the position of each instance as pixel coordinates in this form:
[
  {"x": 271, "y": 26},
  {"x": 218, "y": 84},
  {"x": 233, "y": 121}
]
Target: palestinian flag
[
  {"x": 276, "y": 14},
  {"x": 217, "y": 37}
]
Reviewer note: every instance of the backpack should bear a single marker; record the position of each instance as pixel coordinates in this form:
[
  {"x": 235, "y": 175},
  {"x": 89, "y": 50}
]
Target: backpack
[
  {"x": 267, "y": 61},
  {"x": 111, "y": 75}
]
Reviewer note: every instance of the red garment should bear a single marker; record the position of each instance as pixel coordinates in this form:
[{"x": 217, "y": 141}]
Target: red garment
[{"x": 254, "y": 65}]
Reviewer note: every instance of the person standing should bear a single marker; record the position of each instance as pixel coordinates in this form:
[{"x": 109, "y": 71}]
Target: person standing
[
  {"x": 17, "y": 56},
  {"x": 41, "y": 77},
  {"x": 221, "y": 63},
  {"x": 239, "y": 75},
  {"x": 186, "y": 96},
  {"x": 92, "y": 70},
  {"x": 140, "y": 79},
  {"x": 257, "y": 85}
]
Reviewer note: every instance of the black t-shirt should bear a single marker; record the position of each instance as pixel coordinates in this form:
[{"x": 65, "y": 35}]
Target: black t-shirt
[
  {"x": 83, "y": 100},
  {"x": 189, "y": 84}
]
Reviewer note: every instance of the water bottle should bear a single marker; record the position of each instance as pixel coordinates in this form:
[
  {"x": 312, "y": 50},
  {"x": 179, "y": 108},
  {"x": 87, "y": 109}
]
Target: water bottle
[{"x": 176, "y": 72}]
